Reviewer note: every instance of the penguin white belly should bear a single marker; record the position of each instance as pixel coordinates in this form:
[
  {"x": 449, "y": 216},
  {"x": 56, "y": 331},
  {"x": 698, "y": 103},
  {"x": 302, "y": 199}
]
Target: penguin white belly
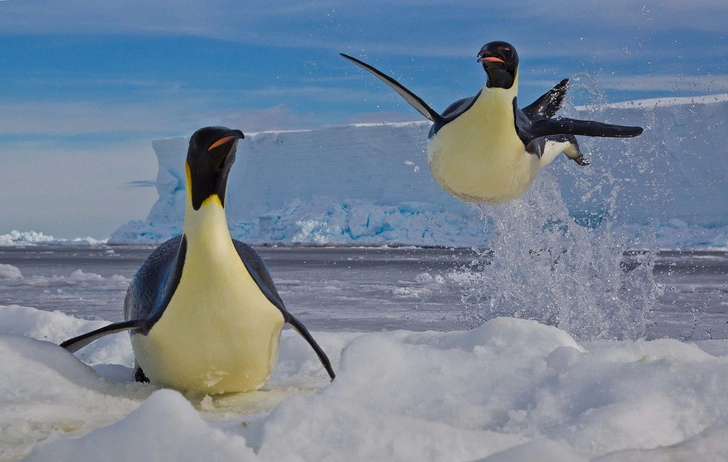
[
  {"x": 478, "y": 157},
  {"x": 219, "y": 333}
]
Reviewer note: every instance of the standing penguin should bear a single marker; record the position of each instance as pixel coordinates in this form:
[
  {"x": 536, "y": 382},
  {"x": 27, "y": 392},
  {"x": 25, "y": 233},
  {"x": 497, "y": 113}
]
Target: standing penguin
[
  {"x": 202, "y": 311},
  {"x": 484, "y": 148}
]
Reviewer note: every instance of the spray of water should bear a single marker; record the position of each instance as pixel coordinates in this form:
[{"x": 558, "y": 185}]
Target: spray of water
[{"x": 542, "y": 265}]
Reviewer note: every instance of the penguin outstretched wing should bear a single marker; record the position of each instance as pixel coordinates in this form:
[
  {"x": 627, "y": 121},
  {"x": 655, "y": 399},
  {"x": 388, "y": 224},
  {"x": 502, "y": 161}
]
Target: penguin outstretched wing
[
  {"x": 451, "y": 113},
  {"x": 149, "y": 293},
  {"x": 76, "y": 343},
  {"x": 535, "y": 126},
  {"x": 537, "y": 120},
  {"x": 567, "y": 126},
  {"x": 414, "y": 100},
  {"x": 548, "y": 104},
  {"x": 260, "y": 274}
]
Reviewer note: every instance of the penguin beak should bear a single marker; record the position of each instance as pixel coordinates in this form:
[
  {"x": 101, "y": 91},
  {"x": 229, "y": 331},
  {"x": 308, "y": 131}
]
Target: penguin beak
[
  {"x": 226, "y": 139},
  {"x": 490, "y": 59},
  {"x": 220, "y": 142},
  {"x": 224, "y": 148}
]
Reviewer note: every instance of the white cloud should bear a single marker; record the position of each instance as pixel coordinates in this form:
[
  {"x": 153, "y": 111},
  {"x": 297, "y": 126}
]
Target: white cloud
[{"x": 414, "y": 28}]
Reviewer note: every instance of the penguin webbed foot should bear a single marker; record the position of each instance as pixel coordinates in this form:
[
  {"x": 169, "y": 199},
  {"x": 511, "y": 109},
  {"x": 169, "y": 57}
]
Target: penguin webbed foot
[
  {"x": 581, "y": 160},
  {"x": 573, "y": 151},
  {"x": 139, "y": 375}
]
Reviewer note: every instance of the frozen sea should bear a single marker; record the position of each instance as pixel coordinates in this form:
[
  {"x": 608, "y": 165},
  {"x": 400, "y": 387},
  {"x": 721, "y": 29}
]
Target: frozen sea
[
  {"x": 431, "y": 365},
  {"x": 365, "y": 289}
]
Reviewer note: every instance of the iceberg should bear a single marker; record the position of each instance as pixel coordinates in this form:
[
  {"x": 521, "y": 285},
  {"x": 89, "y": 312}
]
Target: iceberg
[{"x": 369, "y": 184}]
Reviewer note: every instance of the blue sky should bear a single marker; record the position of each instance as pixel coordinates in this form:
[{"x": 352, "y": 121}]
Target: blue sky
[{"x": 86, "y": 85}]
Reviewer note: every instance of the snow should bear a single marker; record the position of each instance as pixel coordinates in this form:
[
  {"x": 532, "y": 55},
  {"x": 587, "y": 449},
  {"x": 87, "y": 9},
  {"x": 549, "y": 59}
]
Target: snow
[
  {"x": 164, "y": 427},
  {"x": 369, "y": 184},
  {"x": 509, "y": 390},
  {"x": 11, "y": 276},
  {"x": 10, "y": 272},
  {"x": 17, "y": 238}
]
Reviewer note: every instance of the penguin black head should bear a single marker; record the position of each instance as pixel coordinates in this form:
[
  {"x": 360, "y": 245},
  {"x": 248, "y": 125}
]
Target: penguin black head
[
  {"x": 209, "y": 158},
  {"x": 500, "y": 62}
]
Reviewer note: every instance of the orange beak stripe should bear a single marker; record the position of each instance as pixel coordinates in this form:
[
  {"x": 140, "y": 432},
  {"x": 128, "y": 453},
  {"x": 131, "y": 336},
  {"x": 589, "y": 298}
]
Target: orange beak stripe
[
  {"x": 492, "y": 59},
  {"x": 221, "y": 141}
]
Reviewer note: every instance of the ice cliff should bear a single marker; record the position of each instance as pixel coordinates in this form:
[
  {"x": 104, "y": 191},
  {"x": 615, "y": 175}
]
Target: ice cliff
[{"x": 370, "y": 183}]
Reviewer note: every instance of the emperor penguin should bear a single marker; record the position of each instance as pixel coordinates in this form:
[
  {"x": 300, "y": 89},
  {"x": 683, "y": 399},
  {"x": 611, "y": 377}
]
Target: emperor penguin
[
  {"x": 202, "y": 310},
  {"x": 484, "y": 148}
]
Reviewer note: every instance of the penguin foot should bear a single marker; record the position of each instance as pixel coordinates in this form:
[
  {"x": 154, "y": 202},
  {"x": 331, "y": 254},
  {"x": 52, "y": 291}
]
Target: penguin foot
[
  {"x": 573, "y": 152},
  {"x": 581, "y": 160},
  {"x": 139, "y": 375}
]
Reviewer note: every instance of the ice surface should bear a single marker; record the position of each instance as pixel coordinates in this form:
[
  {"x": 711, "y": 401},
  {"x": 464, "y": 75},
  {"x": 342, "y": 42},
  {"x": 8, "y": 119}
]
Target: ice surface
[
  {"x": 10, "y": 272},
  {"x": 509, "y": 390},
  {"x": 362, "y": 184}
]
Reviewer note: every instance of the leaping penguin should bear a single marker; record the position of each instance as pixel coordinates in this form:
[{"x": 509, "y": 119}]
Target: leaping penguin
[
  {"x": 484, "y": 148},
  {"x": 202, "y": 311}
]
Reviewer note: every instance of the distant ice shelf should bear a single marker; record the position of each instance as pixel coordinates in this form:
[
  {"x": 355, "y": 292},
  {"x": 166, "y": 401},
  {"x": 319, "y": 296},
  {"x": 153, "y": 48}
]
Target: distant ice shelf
[{"x": 369, "y": 184}]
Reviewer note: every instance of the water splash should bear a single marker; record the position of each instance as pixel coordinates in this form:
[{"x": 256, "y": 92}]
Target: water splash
[
  {"x": 542, "y": 265},
  {"x": 583, "y": 90}
]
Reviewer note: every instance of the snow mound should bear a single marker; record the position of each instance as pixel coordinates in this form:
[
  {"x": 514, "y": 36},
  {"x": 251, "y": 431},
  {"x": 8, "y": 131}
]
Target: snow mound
[
  {"x": 10, "y": 272},
  {"x": 508, "y": 390},
  {"x": 164, "y": 427}
]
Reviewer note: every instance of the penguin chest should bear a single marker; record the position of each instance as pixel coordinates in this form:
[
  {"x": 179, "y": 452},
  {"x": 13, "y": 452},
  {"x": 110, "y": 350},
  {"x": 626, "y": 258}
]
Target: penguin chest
[
  {"x": 478, "y": 157},
  {"x": 219, "y": 332}
]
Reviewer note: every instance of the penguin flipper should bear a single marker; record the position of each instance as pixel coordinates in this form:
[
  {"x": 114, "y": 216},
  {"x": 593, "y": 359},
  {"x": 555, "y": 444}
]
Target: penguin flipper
[
  {"x": 260, "y": 274},
  {"x": 76, "y": 343},
  {"x": 414, "y": 100},
  {"x": 548, "y": 104},
  {"x": 301, "y": 329},
  {"x": 566, "y": 126}
]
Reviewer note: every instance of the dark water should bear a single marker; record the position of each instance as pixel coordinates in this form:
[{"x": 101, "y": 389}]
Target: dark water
[{"x": 362, "y": 289}]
